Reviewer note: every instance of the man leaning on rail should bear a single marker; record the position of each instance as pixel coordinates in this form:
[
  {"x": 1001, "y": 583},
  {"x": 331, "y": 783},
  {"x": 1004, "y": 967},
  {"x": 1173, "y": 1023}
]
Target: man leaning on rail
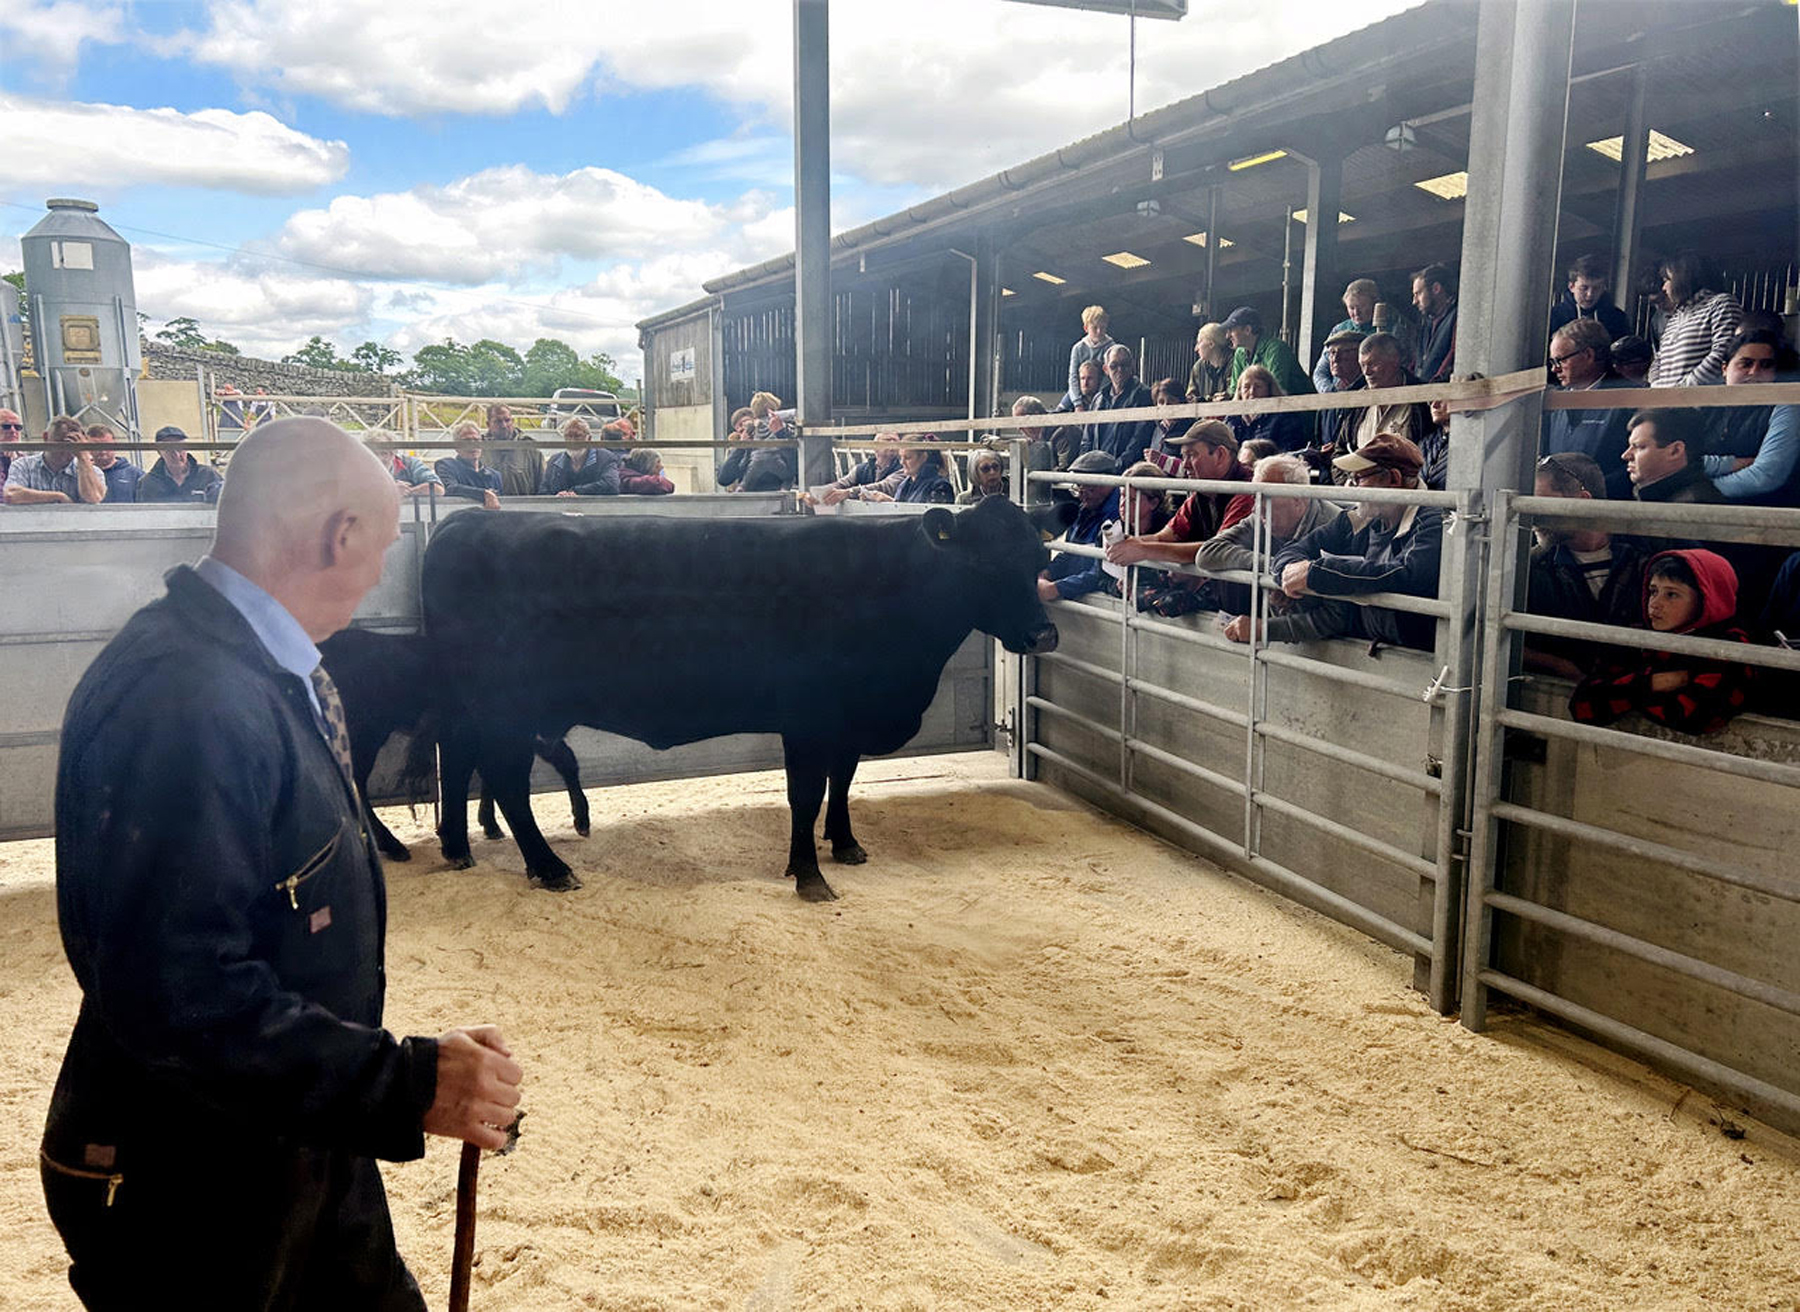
[
  {"x": 1385, "y": 547},
  {"x": 228, "y": 1086}
]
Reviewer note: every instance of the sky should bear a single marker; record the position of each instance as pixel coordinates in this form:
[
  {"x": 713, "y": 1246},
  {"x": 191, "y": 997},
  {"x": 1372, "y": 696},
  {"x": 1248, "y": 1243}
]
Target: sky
[{"x": 365, "y": 170}]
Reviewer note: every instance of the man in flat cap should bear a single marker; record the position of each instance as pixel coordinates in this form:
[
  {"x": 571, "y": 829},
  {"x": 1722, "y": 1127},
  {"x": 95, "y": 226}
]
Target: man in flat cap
[{"x": 1383, "y": 547}]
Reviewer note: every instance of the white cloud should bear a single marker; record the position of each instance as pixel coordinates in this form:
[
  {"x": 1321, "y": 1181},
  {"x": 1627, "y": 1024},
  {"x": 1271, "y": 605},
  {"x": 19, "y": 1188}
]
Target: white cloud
[
  {"x": 64, "y": 144},
  {"x": 265, "y": 312},
  {"x": 510, "y": 222},
  {"x": 51, "y": 34}
]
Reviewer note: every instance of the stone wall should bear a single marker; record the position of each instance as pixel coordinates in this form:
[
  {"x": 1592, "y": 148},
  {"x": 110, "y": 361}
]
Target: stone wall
[{"x": 247, "y": 373}]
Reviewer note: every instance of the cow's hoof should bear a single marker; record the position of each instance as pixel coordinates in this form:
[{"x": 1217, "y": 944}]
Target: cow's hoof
[
  {"x": 812, "y": 888},
  {"x": 581, "y": 827},
  {"x": 460, "y": 862},
  {"x": 850, "y": 854},
  {"x": 492, "y": 831},
  {"x": 556, "y": 881},
  {"x": 397, "y": 852}
]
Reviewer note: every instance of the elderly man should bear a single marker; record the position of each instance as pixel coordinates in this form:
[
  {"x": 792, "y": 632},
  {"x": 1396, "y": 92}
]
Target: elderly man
[
  {"x": 1126, "y": 440},
  {"x": 1244, "y": 326},
  {"x": 56, "y": 477},
  {"x": 521, "y": 469},
  {"x": 12, "y": 429},
  {"x": 176, "y": 475},
  {"x": 1378, "y": 548},
  {"x": 1071, "y": 575},
  {"x": 1359, "y": 307},
  {"x": 122, "y": 477},
  {"x": 463, "y": 474},
  {"x": 1051, "y": 448},
  {"x": 1342, "y": 356},
  {"x": 212, "y": 1136},
  {"x": 411, "y": 475},
  {"x": 581, "y": 469},
  {"x": 1581, "y": 357},
  {"x": 1381, "y": 359},
  {"x": 1288, "y": 519},
  {"x": 1209, "y": 378}
]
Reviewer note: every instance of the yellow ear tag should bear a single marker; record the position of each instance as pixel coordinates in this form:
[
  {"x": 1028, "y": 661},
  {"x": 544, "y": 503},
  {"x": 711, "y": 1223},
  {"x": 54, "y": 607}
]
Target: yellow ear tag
[{"x": 943, "y": 535}]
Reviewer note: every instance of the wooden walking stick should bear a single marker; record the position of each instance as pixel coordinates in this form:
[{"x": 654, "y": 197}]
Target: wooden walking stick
[{"x": 462, "y": 1254}]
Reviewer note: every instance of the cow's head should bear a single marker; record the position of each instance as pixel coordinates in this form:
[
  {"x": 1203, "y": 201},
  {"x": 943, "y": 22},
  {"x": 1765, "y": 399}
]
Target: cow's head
[{"x": 997, "y": 553}]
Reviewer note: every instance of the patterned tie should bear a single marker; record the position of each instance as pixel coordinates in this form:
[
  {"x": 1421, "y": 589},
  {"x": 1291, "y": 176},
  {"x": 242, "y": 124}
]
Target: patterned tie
[{"x": 333, "y": 707}]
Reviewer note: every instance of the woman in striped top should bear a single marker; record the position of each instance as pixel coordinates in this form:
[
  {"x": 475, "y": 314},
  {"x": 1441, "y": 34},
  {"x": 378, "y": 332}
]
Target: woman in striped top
[{"x": 1701, "y": 324}]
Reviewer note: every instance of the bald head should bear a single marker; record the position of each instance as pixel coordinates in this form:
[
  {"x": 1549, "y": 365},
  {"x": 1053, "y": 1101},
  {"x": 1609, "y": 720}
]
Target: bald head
[{"x": 307, "y": 513}]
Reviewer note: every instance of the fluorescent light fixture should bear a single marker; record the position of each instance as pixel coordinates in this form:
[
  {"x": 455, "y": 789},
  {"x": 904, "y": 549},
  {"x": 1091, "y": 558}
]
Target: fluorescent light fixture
[
  {"x": 1251, "y": 161},
  {"x": 1446, "y": 186},
  {"x": 1661, "y": 147},
  {"x": 1050, "y": 278},
  {"x": 1300, "y": 217},
  {"x": 1199, "y": 239},
  {"x": 1125, "y": 260},
  {"x": 1008, "y": 291}
]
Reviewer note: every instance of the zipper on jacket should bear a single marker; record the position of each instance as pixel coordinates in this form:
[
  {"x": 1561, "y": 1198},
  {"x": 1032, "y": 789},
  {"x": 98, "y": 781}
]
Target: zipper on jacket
[
  {"x": 113, "y": 1178},
  {"x": 311, "y": 867}
]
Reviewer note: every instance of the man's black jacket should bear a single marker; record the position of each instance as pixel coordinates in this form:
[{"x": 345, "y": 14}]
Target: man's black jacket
[{"x": 224, "y": 913}]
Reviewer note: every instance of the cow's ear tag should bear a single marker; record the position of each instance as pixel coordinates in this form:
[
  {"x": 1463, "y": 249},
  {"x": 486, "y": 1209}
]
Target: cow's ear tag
[{"x": 941, "y": 524}]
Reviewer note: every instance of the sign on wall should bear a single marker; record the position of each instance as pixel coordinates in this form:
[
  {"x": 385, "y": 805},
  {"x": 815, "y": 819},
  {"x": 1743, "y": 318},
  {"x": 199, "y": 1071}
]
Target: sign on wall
[{"x": 681, "y": 365}]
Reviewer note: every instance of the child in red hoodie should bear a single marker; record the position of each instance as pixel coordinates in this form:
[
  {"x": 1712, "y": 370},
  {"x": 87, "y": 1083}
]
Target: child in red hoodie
[{"x": 1693, "y": 592}]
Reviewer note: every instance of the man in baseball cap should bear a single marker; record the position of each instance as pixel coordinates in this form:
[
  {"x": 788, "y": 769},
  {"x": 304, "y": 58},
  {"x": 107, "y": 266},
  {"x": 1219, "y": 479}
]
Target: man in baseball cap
[
  {"x": 1387, "y": 546},
  {"x": 1071, "y": 575},
  {"x": 1244, "y": 326}
]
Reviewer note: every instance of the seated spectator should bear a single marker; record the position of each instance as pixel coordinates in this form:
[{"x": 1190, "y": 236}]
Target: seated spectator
[
  {"x": 1051, "y": 447},
  {"x": 1289, "y": 432},
  {"x": 56, "y": 477},
  {"x": 1662, "y": 457},
  {"x": 1142, "y": 511},
  {"x": 122, "y": 477},
  {"x": 1691, "y": 591},
  {"x": 1581, "y": 358},
  {"x": 887, "y": 487},
  {"x": 1255, "y": 449},
  {"x": 1379, "y": 358},
  {"x": 1210, "y": 377},
  {"x": 1588, "y": 296},
  {"x": 1434, "y": 296},
  {"x": 1631, "y": 357},
  {"x": 877, "y": 465},
  {"x": 1580, "y": 572},
  {"x": 1070, "y": 575},
  {"x": 1378, "y": 548},
  {"x": 641, "y": 474},
  {"x": 1091, "y": 345},
  {"x": 582, "y": 469},
  {"x": 176, "y": 475},
  {"x": 521, "y": 468},
  {"x": 1209, "y": 450},
  {"x": 924, "y": 483},
  {"x": 1359, "y": 304},
  {"x": 1435, "y": 444},
  {"x": 12, "y": 429},
  {"x": 1160, "y": 453},
  {"x": 1755, "y": 450},
  {"x": 987, "y": 478},
  {"x": 1085, "y": 395},
  {"x": 1289, "y": 519},
  {"x": 1342, "y": 357},
  {"x": 412, "y": 475},
  {"x": 1244, "y": 326},
  {"x": 1124, "y": 441},
  {"x": 1700, "y": 327},
  {"x": 764, "y": 469},
  {"x": 463, "y": 474}
]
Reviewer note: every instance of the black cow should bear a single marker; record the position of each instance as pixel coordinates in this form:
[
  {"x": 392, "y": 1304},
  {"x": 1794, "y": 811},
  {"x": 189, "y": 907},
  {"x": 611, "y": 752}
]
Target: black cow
[
  {"x": 386, "y": 685},
  {"x": 829, "y": 631}
]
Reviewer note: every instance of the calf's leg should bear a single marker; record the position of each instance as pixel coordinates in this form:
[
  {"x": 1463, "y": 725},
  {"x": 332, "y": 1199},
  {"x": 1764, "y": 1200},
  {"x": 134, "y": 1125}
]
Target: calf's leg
[
  {"x": 484, "y": 813},
  {"x": 559, "y": 754},
  {"x": 806, "y": 776},
  {"x": 845, "y": 850},
  {"x": 456, "y": 765},
  {"x": 362, "y": 765}
]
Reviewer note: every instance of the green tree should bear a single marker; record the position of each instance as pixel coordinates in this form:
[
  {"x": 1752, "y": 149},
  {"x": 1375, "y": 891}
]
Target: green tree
[
  {"x": 318, "y": 354},
  {"x": 17, "y": 279},
  {"x": 184, "y": 333},
  {"x": 374, "y": 357},
  {"x": 496, "y": 369},
  {"x": 490, "y": 368},
  {"x": 221, "y": 346},
  {"x": 551, "y": 364}
]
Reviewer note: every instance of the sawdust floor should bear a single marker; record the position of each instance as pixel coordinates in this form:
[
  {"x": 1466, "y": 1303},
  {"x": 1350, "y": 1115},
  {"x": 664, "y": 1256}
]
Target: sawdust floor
[{"x": 1032, "y": 1059}]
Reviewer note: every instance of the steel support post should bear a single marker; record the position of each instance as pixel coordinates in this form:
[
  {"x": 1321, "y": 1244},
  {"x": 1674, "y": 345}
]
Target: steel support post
[
  {"x": 1627, "y": 212},
  {"x": 986, "y": 328},
  {"x": 1318, "y": 280},
  {"x": 813, "y": 329},
  {"x": 1523, "y": 54}
]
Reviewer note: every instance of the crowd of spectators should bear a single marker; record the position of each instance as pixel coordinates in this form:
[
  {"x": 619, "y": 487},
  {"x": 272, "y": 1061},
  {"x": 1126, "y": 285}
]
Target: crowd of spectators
[{"x": 1319, "y": 553}]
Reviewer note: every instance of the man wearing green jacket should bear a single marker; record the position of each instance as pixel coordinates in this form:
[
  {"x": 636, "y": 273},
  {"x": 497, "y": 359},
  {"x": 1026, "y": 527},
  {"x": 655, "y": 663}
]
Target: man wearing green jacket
[{"x": 1244, "y": 326}]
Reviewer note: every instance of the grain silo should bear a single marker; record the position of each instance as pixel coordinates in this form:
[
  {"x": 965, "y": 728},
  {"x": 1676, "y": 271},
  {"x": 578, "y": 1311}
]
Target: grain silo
[{"x": 83, "y": 308}]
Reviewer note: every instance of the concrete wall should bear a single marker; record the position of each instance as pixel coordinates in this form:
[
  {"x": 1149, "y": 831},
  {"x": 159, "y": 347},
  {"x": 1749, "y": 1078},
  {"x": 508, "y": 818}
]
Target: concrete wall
[{"x": 693, "y": 469}]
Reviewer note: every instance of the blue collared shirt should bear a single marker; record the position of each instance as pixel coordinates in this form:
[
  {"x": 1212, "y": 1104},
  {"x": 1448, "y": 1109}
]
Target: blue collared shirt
[{"x": 278, "y": 631}]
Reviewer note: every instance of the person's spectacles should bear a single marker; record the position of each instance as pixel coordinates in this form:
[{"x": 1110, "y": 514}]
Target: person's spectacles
[
  {"x": 1365, "y": 476},
  {"x": 1564, "y": 359},
  {"x": 17, "y": 428}
]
